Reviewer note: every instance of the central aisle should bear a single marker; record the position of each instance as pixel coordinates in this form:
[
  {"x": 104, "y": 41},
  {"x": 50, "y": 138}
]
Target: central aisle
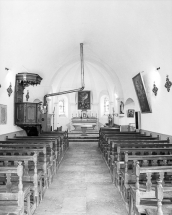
[{"x": 82, "y": 185}]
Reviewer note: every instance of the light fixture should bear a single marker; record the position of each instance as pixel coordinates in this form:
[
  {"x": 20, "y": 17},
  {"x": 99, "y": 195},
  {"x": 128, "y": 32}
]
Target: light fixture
[
  {"x": 168, "y": 84},
  {"x": 9, "y": 90},
  {"x": 27, "y": 96},
  {"x": 7, "y": 68},
  {"x": 155, "y": 89},
  {"x": 158, "y": 68}
]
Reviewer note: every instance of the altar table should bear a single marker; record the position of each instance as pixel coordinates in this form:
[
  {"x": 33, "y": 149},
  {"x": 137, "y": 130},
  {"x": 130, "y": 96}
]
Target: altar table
[
  {"x": 84, "y": 129},
  {"x": 90, "y": 122}
]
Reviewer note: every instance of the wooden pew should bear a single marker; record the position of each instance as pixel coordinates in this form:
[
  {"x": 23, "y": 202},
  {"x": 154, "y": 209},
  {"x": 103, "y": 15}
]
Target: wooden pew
[
  {"x": 126, "y": 173},
  {"x": 31, "y": 176},
  {"x": 109, "y": 129},
  {"x": 104, "y": 137},
  {"x": 65, "y": 133},
  {"x": 139, "y": 191},
  {"x": 48, "y": 159},
  {"x": 61, "y": 144},
  {"x": 135, "y": 147},
  {"x": 63, "y": 136},
  {"x": 55, "y": 141},
  {"x": 108, "y": 149},
  {"x": 29, "y": 167},
  {"x": 117, "y": 159},
  {"x": 50, "y": 144},
  {"x": 108, "y": 140},
  {"x": 160, "y": 208},
  {"x": 115, "y": 132},
  {"x": 12, "y": 196}
]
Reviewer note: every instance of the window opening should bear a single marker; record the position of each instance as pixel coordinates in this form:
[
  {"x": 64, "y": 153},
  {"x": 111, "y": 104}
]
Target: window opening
[
  {"x": 61, "y": 108},
  {"x": 106, "y": 106}
]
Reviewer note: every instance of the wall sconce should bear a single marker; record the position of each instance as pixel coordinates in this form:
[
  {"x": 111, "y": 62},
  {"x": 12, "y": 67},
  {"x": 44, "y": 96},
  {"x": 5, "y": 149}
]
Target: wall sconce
[
  {"x": 7, "y": 68},
  {"x": 158, "y": 68},
  {"x": 27, "y": 96},
  {"x": 9, "y": 90},
  {"x": 168, "y": 84},
  {"x": 155, "y": 89}
]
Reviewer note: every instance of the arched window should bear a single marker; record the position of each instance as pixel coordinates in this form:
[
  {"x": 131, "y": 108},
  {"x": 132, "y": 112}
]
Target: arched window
[
  {"x": 106, "y": 106},
  {"x": 61, "y": 107}
]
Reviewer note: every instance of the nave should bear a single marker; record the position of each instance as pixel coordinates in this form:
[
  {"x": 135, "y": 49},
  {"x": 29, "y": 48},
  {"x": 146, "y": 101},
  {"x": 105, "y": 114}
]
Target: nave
[{"x": 82, "y": 185}]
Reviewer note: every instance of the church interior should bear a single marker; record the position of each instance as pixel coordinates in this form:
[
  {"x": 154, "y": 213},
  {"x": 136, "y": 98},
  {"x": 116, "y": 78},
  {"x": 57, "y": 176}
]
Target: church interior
[{"x": 85, "y": 107}]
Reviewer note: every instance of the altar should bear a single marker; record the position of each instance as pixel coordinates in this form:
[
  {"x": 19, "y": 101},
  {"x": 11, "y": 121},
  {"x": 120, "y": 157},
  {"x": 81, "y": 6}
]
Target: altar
[{"x": 79, "y": 122}]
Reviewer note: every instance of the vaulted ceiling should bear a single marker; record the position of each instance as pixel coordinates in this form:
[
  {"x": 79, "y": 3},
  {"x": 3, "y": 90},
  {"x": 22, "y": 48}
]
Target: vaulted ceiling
[{"x": 118, "y": 36}]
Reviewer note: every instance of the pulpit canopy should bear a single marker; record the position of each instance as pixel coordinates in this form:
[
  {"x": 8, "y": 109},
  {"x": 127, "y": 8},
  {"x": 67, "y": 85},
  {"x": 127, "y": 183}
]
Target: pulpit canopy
[{"x": 27, "y": 79}]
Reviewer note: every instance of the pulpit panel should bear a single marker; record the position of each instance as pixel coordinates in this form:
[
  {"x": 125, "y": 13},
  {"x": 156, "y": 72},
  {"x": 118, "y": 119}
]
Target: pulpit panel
[
  {"x": 19, "y": 113},
  {"x": 30, "y": 112}
]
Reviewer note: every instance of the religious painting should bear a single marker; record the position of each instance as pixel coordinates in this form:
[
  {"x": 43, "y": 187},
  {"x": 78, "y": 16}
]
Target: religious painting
[
  {"x": 141, "y": 94},
  {"x": 130, "y": 113},
  {"x": 3, "y": 114},
  {"x": 84, "y": 100}
]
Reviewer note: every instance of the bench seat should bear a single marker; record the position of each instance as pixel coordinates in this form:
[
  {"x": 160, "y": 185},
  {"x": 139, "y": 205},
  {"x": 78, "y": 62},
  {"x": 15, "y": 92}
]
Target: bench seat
[
  {"x": 10, "y": 210},
  {"x": 14, "y": 189},
  {"x": 14, "y": 195},
  {"x": 153, "y": 210}
]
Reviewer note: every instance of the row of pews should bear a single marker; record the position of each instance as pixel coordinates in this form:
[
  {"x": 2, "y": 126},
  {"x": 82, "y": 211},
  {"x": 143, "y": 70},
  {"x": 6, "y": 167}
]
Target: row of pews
[
  {"x": 141, "y": 168},
  {"x": 27, "y": 168}
]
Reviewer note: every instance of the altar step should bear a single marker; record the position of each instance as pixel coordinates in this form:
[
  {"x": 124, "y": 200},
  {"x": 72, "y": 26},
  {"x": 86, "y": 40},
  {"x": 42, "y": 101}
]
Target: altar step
[
  {"x": 87, "y": 132},
  {"x": 83, "y": 137},
  {"x": 77, "y": 137},
  {"x": 83, "y": 140}
]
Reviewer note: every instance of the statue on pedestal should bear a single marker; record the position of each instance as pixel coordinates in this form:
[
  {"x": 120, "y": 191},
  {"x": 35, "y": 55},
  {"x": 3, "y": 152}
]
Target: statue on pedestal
[
  {"x": 110, "y": 120},
  {"x": 122, "y": 108}
]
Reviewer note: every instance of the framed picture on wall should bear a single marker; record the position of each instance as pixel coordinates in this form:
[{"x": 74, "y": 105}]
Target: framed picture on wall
[
  {"x": 141, "y": 94},
  {"x": 130, "y": 113},
  {"x": 84, "y": 100},
  {"x": 3, "y": 114},
  {"x": 84, "y": 114}
]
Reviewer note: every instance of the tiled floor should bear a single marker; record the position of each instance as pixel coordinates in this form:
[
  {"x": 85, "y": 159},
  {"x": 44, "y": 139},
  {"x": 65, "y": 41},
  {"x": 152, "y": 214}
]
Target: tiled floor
[{"x": 82, "y": 186}]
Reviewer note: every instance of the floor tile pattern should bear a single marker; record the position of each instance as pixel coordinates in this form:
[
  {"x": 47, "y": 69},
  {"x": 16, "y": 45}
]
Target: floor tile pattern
[{"x": 82, "y": 185}]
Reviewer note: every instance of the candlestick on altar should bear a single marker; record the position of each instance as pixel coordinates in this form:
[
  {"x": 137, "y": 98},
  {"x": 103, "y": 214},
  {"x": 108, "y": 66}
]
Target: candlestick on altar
[
  {"x": 53, "y": 117},
  {"x": 113, "y": 117}
]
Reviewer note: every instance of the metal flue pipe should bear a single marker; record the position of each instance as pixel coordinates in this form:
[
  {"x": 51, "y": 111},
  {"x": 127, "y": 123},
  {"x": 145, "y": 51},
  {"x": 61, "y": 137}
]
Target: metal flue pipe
[{"x": 82, "y": 79}]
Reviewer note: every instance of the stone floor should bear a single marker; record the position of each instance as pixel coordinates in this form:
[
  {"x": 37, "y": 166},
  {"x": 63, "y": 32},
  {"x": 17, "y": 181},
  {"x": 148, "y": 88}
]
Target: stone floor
[{"x": 82, "y": 185}]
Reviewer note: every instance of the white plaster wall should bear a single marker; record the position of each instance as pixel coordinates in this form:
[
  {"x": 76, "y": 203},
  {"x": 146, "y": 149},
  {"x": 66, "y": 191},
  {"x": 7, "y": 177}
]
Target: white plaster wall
[
  {"x": 6, "y": 78},
  {"x": 160, "y": 120}
]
